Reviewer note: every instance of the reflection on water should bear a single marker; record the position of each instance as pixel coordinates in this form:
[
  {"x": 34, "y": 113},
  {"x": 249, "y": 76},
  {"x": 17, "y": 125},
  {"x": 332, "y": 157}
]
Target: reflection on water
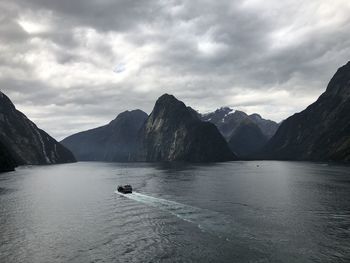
[{"x": 229, "y": 212}]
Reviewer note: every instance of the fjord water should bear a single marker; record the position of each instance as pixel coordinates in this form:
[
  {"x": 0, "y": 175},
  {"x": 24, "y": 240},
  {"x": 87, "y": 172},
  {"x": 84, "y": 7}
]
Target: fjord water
[{"x": 230, "y": 212}]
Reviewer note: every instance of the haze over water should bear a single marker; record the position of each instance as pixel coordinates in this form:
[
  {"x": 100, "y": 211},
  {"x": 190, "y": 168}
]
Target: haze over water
[{"x": 231, "y": 212}]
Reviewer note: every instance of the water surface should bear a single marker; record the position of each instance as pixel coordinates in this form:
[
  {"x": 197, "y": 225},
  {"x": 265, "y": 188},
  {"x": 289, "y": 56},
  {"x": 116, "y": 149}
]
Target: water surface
[{"x": 230, "y": 212}]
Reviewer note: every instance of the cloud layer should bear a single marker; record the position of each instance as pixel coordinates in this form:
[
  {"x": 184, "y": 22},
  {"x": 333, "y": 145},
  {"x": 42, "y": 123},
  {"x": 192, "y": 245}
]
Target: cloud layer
[{"x": 73, "y": 65}]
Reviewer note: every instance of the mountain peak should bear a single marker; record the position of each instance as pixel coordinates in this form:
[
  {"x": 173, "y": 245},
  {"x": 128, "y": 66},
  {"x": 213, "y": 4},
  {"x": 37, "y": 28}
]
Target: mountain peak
[
  {"x": 169, "y": 101},
  {"x": 340, "y": 83},
  {"x": 115, "y": 141},
  {"x": 227, "y": 121},
  {"x": 256, "y": 116},
  {"x": 3, "y": 96},
  {"x": 129, "y": 113},
  {"x": 129, "y": 116},
  {"x": 168, "y": 107},
  {"x": 225, "y": 110},
  {"x": 167, "y": 98},
  {"x": 240, "y": 113},
  {"x": 173, "y": 132},
  {"x": 5, "y": 102}
]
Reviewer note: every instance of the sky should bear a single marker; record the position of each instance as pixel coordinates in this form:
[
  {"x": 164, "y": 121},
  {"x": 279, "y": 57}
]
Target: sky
[{"x": 74, "y": 65}]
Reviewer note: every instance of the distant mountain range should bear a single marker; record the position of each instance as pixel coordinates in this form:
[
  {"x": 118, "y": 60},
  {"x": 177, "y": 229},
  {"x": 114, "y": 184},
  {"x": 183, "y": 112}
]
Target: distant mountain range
[
  {"x": 22, "y": 142},
  {"x": 172, "y": 132},
  {"x": 245, "y": 134},
  {"x": 176, "y": 132},
  {"x": 228, "y": 120},
  {"x": 321, "y": 132}
]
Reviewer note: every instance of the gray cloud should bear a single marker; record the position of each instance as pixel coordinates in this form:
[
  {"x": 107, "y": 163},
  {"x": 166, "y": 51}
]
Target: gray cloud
[{"x": 73, "y": 65}]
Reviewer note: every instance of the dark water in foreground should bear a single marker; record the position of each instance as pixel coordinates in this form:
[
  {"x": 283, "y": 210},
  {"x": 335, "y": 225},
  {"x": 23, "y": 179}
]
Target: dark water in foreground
[{"x": 231, "y": 212}]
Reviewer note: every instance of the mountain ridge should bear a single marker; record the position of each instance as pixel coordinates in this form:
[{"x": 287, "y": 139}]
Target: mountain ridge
[
  {"x": 321, "y": 132},
  {"x": 26, "y": 143},
  {"x": 115, "y": 141},
  {"x": 227, "y": 120}
]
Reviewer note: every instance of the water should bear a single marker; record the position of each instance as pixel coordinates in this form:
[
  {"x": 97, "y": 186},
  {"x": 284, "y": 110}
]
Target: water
[{"x": 230, "y": 212}]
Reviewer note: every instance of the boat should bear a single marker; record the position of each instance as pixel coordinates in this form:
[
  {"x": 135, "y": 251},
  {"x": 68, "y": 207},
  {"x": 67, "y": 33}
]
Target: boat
[{"x": 125, "y": 189}]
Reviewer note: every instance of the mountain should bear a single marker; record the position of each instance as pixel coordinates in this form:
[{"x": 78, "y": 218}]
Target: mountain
[
  {"x": 245, "y": 134},
  {"x": 113, "y": 142},
  {"x": 7, "y": 162},
  {"x": 321, "y": 132},
  {"x": 267, "y": 127},
  {"x": 173, "y": 132},
  {"x": 27, "y": 143},
  {"x": 247, "y": 139},
  {"x": 227, "y": 121}
]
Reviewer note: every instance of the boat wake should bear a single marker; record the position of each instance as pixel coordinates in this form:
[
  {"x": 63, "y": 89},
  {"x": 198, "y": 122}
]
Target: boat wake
[{"x": 216, "y": 223}]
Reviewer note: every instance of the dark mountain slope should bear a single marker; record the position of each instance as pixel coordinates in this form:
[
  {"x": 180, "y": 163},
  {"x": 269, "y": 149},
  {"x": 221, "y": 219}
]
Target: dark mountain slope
[
  {"x": 267, "y": 127},
  {"x": 113, "y": 142},
  {"x": 25, "y": 141},
  {"x": 322, "y": 131},
  {"x": 7, "y": 162},
  {"x": 247, "y": 139}
]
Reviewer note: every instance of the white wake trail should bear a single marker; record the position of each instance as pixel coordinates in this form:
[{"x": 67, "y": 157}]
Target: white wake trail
[{"x": 207, "y": 220}]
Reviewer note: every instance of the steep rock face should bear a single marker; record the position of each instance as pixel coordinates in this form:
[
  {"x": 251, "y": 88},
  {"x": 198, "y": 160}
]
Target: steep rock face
[
  {"x": 173, "y": 132},
  {"x": 114, "y": 142},
  {"x": 227, "y": 121},
  {"x": 322, "y": 131},
  {"x": 25, "y": 141},
  {"x": 247, "y": 139},
  {"x": 7, "y": 162}
]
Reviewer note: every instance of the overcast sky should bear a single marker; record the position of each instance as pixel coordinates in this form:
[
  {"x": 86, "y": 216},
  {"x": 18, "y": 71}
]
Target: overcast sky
[{"x": 70, "y": 65}]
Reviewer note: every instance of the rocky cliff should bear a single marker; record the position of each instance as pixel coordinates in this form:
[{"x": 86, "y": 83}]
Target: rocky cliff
[
  {"x": 173, "y": 132},
  {"x": 321, "y": 132},
  {"x": 27, "y": 143}
]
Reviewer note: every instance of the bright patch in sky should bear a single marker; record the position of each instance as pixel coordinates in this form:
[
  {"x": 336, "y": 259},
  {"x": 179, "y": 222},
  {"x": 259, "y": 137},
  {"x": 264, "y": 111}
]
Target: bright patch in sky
[
  {"x": 208, "y": 48},
  {"x": 32, "y": 27}
]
